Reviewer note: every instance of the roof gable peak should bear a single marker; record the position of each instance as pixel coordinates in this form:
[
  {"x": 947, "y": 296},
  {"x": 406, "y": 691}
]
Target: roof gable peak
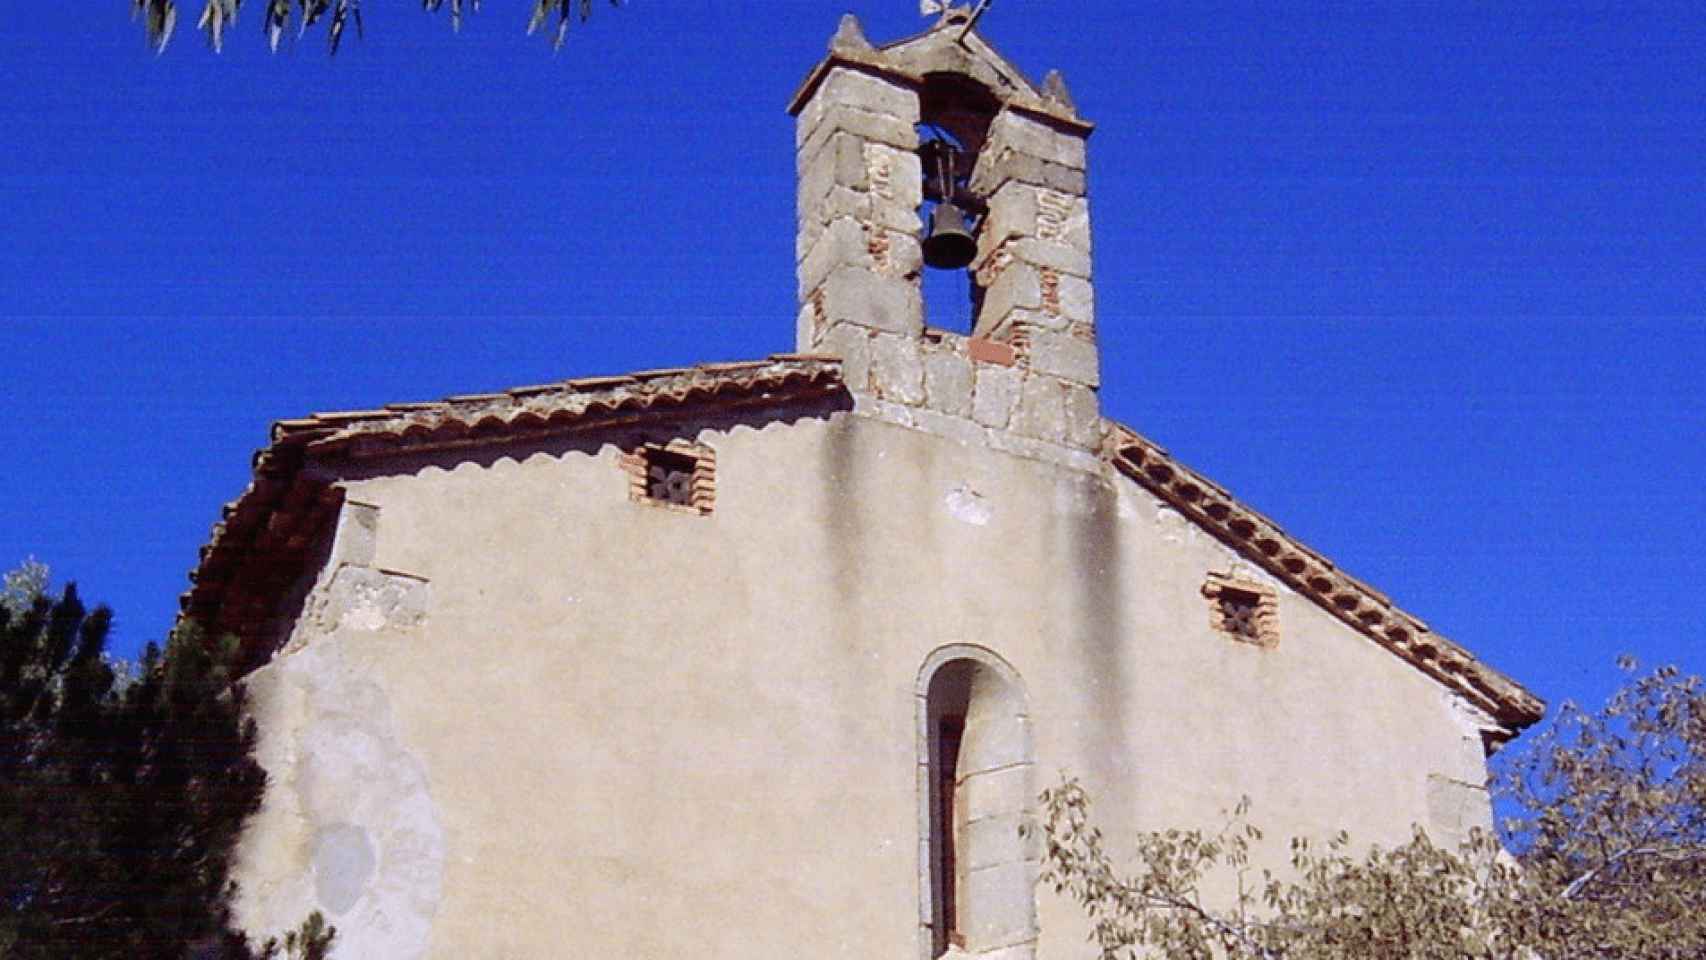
[{"x": 953, "y": 45}]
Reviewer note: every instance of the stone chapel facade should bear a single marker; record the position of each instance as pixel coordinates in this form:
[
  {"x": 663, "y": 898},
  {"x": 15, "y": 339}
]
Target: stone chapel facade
[{"x": 768, "y": 659}]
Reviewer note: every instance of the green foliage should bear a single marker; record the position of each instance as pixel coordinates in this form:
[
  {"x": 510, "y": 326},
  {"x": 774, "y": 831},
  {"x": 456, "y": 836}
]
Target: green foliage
[
  {"x": 160, "y": 18},
  {"x": 20, "y": 587},
  {"x": 564, "y": 9},
  {"x": 311, "y": 941},
  {"x": 1609, "y": 862},
  {"x": 1613, "y": 823},
  {"x": 120, "y": 804}
]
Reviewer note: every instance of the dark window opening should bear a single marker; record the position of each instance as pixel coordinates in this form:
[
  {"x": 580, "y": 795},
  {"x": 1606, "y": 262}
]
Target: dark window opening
[
  {"x": 669, "y": 477},
  {"x": 960, "y": 106},
  {"x": 950, "y": 732},
  {"x": 1238, "y": 615},
  {"x": 1243, "y": 611},
  {"x": 951, "y": 293},
  {"x": 955, "y": 112},
  {"x": 978, "y": 893}
]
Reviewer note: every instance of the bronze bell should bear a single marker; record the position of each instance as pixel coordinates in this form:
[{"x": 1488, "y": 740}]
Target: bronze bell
[{"x": 949, "y": 245}]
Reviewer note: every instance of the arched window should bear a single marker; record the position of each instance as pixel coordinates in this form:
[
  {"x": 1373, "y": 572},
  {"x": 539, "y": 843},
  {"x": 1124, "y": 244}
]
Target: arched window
[{"x": 975, "y": 791}]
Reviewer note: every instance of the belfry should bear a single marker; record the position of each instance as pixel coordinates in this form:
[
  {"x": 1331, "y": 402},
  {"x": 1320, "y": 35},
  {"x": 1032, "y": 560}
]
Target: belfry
[{"x": 942, "y": 124}]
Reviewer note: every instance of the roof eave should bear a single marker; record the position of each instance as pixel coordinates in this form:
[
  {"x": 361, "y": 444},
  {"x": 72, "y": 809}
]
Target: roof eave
[
  {"x": 263, "y": 543},
  {"x": 1357, "y": 604}
]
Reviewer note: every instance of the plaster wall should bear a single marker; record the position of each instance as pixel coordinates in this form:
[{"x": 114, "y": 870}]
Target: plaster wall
[{"x": 523, "y": 716}]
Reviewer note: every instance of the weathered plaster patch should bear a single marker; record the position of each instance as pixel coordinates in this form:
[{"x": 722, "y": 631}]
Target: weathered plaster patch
[
  {"x": 969, "y": 506},
  {"x": 1173, "y": 524},
  {"x": 1125, "y": 501},
  {"x": 1456, "y": 807},
  {"x": 1241, "y": 569},
  {"x": 348, "y": 825},
  {"x": 357, "y": 538},
  {"x": 361, "y": 598},
  {"x": 1471, "y": 721},
  {"x": 1077, "y": 495},
  {"x": 343, "y": 863}
]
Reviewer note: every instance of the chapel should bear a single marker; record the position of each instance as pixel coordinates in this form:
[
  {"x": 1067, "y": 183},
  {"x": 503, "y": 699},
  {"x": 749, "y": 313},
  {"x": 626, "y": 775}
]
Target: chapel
[{"x": 766, "y": 659}]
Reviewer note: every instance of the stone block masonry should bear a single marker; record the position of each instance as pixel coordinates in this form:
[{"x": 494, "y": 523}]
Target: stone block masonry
[{"x": 1029, "y": 368}]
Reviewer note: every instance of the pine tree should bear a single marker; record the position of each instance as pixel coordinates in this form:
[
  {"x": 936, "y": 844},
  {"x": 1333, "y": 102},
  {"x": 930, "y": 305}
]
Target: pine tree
[{"x": 121, "y": 799}]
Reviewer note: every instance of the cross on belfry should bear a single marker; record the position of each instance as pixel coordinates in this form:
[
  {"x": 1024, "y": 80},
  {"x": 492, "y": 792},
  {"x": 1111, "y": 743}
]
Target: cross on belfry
[
  {"x": 950, "y": 12},
  {"x": 945, "y": 7}
]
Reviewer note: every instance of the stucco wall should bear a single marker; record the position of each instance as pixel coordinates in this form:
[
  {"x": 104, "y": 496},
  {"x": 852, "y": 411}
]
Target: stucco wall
[{"x": 523, "y": 716}]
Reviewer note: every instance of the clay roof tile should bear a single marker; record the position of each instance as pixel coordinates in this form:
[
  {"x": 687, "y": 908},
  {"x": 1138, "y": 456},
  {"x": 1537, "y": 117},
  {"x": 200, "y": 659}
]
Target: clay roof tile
[
  {"x": 254, "y": 553},
  {"x": 1351, "y": 600}
]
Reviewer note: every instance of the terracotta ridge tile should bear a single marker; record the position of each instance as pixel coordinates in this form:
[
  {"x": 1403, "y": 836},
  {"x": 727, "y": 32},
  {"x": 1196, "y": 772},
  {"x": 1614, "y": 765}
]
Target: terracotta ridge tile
[
  {"x": 537, "y": 389},
  {"x": 809, "y": 357},
  {"x": 584, "y": 383},
  {"x": 339, "y": 416}
]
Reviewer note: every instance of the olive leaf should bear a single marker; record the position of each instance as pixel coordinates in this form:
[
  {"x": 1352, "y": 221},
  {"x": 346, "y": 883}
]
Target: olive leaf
[
  {"x": 159, "y": 17},
  {"x": 344, "y": 10},
  {"x": 1605, "y": 859}
]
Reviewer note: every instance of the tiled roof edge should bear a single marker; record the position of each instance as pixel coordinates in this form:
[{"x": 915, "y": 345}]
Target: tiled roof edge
[
  {"x": 475, "y": 419},
  {"x": 1314, "y": 576},
  {"x": 259, "y": 548}
]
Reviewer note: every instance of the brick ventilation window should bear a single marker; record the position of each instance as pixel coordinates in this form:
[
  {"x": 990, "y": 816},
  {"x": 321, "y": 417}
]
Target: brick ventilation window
[
  {"x": 678, "y": 475},
  {"x": 1244, "y": 611}
]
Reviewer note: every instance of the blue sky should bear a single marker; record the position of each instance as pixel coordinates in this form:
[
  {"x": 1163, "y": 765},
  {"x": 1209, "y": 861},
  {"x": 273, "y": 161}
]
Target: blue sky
[{"x": 1421, "y": 281}]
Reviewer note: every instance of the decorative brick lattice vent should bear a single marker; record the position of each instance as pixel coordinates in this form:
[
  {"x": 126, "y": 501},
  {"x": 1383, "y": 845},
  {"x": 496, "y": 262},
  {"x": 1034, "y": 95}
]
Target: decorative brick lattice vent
[
  {"x": 677, "y": 475},
  {"x": 1244, "y": 611}
]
